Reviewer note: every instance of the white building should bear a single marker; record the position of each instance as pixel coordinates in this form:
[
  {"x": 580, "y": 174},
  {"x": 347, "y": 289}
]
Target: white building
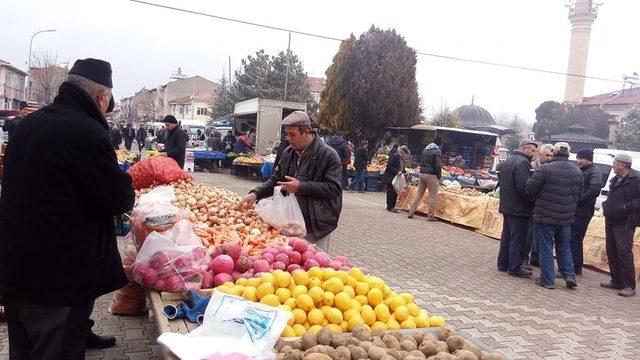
[{"x": 12, "y": 81}]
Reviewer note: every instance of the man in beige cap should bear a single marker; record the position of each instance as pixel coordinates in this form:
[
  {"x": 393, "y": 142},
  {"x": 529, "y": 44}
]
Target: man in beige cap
[
  {"x": 312, "y": 171},
  {"x": 622, "y": 217}
]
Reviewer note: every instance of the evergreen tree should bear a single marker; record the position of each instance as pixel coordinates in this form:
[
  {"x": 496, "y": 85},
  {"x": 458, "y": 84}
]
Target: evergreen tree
[
  {"x": 628, "y": 133},
  {"x": 446, "y": 118},
  {"x": 224, "y": 104}
]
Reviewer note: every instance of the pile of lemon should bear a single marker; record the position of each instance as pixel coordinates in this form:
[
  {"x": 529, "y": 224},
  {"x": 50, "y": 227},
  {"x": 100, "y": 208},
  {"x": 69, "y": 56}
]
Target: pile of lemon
[{"x": 337, "y": 300}]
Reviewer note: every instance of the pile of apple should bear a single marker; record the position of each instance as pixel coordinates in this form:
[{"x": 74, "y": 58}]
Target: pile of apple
[{"x": 173, "y": 271}]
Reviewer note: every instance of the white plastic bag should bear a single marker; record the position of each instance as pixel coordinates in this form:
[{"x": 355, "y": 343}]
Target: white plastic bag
[
  {"x": 283, "y": 213},
  {"x": 231, "y": 325},
  {"x": 172, "y": 261},
  {"x": 399, "y": 183},
  {"x": 154, "y": 211}
]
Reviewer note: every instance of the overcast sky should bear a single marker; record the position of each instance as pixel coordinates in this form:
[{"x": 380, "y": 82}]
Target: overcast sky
[{"x": 145, "y": 44}]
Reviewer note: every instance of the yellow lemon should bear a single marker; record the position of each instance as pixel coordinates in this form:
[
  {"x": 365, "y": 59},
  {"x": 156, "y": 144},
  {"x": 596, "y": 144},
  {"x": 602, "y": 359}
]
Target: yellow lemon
[
  {"x": 349, "y": 290},
  {"x": 424, "y": 312},
  {"x": 328, "y": 298},
  {"x": 382, "y": 313},
  {"x": 351, "y": 281},
  {"x": 413, "y": 309},
  {"x": 393, "y": 325},
  {"x": 334, "y": 316},
  {"x": 407, "y": 297},
  {"x": 374, "y": 296},
  {"x": 362, "y": 288},
  {"x": 307, "y": 325},
  {"x": 355, "y": 321},
  {"x": 386, "y": 290},
  {"x": 336, "y": 329},
  {"x": 335, "y": 285},
  {"x": 224, "y": 288},
  {"x": 285, "y": 307},
  {"x": 422, "y": 321},
  {"x": 299, "y": 315},
  {"x": 396, "y": 302},
  {"x": 229, "y": 284},
  {"x": 283, "y": 294},
  {"x": 325, "y": 310},
  {"x": 325, "y": 322},
  {"x": 299, "y": 329},
  {"x": 368, "y": 315},
  {"x": 242, "y": 281},
  {"x": 264, "y": 289},
  {"x": 356, "y": 273},
  {"x": 314, "y": 281},
  {"x": 401, "y": 313},
  {"x": 299, "y": 290},
  {"x": 435, "y": 321},
  {"x": 270, "y": 299},
  {"x": 315, "y": 328},
  {"x": 315, "y": 317},
  {"x": 388, "y": 300},
  {"x": 253, "y": 282},
  {"x": 342, "y": 275},
  {"x": 327, "y": 273},
  {"x": 344, "y": 326},
  {"x": 305, "y": 302},
  {"x": 356, "y": 305},
  {"x": 315, "y": 272},
  {"x": 408, "y": 324},
  {"x": 288, "y": 332},
  {"x": 362, "y": 299},
  {"x": 316, "y": 294},
  {"x": 375, "y": 282},
  {"x": 343, "y": 301},
  {"x": 350, "y": 314},
  {"x": 249, "y": 293},
  {"x": 236, "y": 290},
  {"x": 291, "y": 303},
  {"x": 268, "y": 278},
  {"x": 292, "y": 319},
  {"x": 283, "y": 279},
  {"x": 379, "y": 325},
  {"x": 300, "y": 277}
]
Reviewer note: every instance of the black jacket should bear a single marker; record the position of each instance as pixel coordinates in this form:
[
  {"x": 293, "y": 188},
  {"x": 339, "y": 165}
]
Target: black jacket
[
  {"x": 431, "y": 160},
  {"x": 129, "y": 133},
  {"x": 513, "y": 176},
  {"x": 284, "y": 144},
  {"x": 141, "y": 136},
  {"x": 394, "y": 166},
  {"x": 176, "y": 145},
  {"x": 320, "y": 193},
  {"x": 116, "y": 137},
  {"x": 557, "y": 187},
  {"x": 592, "y": 177},
  {"x": 62, "y": 188},
  {"x": 622, "y": 206},
  {"x": 341, "y": 147},
  {"x": 361, "y": 159},
  {"x": 229, "y": 142}
]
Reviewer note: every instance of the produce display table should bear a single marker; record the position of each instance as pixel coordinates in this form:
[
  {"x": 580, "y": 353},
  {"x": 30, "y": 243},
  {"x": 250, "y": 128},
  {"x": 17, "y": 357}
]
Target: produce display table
[
  {"x": 248, "y": 171},
  {"x": 210, "y": 160},
  {"x": 458, "y": 209},
  {"x": 158, "y": 301}
]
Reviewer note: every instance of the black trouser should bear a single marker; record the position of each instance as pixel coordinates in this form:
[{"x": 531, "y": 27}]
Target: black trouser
[
  {"x": 392, "y": 196},
  {"x": 46, "y": 332},
  {"x": 530, "y": 251},
  {"x": 512, "y": 243},
  {"x": 127, "y": 144},
  {"x": 345, "y": 177},
  {"x": 578, "y": 231},
  {"x": 619, "y": 243},
  {"x": 140, "y": 145}
]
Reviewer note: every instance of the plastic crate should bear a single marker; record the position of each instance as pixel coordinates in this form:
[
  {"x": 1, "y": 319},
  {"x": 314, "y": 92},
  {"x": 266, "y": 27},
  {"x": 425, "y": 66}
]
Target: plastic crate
[{"x": 373, "y": 183}]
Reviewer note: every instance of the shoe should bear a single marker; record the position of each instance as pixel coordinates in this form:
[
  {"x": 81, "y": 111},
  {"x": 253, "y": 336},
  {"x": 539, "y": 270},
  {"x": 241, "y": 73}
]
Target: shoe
[
  {"x": 410, "y": 216},
  {"x": 361, "y": 191},
  {"x": 502, "y": 270},
  {"x": 521, "y": 274},
  {"x": 395, "y": 211},
  {"x": 550, "y": 287},
  {"x": 100, "y": 342},
  {"x": 571, "y": 283},
  {"x": 527, "y": 267},
  {"x": 431, "y": 218},
  {"x": 610, "y": 285},
  {"x": 627, "y": 292}
]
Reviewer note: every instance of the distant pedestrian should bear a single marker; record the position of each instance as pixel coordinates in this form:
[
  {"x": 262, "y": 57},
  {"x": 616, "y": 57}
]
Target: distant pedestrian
[
  {"x": 360, "y": 164},
  {"x": 622, "y": 217},
  {"x": 116, "y": 137},
  {"x": 243, "y": 145},
  {"x": 338, "y": 144},
  {"x": 395, "y": 166},
  {"x": 10, "y": 124},
  {"x": 200, "y": 136},
  {"x": 516, "y": 208},
  {"x": 129, "y": 134},
  {"x": 176, "y": 143},
  {"x": 141, "y": 137},
  {"x": 556, "y": 187},
  {"x": 152, "y": 132},
  {"x": 229, "y": 142},
  {"x": 430, "y": 174},
  {"x": 215, "y": 142},
  {"x": 592, "y": 177}
]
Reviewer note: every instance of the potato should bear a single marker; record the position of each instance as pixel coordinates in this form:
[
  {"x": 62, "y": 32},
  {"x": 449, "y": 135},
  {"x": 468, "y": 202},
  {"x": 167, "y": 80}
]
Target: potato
[
  {"x": 411, "y": 357},
  {"x": 325, "y": 336},
  {"x": 418, "y": 337},
  {"x": 285, "y": 349},
  {"x": 379, "y": 343},
  {"x": 443, "y": 356},
  {"x": 391, "y": 342},
  {"x": 280, "y": 356},
  {"x": 297, "y": 344},
  {"x": 361, "y": 333},
  {"x": 445, "y": 332},
  {"x": 417, "y": 353},
  {"x": 338, "y": 341},
  {"x": 398, "y": 335},
  {"x": 466, "y": 355},
  {"x": 379, "y": 332},
  {"x": 318, "y": 349},
  {"x": 492, "y": 356},
  {"x": 342, "y": 353},
  {"x": 404, "y": 354},
  {"x": 387, "y": 357},
  {"x": 293, "y": 355},
  {"x": 353, "y": 341},
  {"x": 329, "y": 350},
  {"x": 442, "y": 346},
  {"x": 454, "y": 343},
  {"x": 468, "y": 345},
  {"x": 309, "y": 340},
  {"x": 428, "y": 348},
  {"x": 357, "y": 352},
  {"x": 408, "y": 345},
  {"x": 394, "y": 353},
  {"x": 429, "y": 337},
  {"x": 317, "y": 356},
  {"x": 376, "y": 353},
  {"x": 366, "y": 345},
  {"x": 375, "y": 337},
  {"x": 278, "y": 345}
]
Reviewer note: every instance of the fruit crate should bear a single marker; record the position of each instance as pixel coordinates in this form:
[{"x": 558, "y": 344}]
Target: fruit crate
[{"x": 373, "y": 183}]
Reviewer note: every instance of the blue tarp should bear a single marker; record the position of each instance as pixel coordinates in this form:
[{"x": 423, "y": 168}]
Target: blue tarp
[{"x": 267, "y": 170}]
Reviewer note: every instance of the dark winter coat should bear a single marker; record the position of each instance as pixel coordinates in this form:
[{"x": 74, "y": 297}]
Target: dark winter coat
[
  {"x": 229, "y": 142},
  {"x": 215, "y": 143},
  {"x": 361, "y": 159},
  {"x": 556, "y": 187},
  {"x": 62, "y": 188},
  {"x": 161, "y": 135},
  {"x": 513, "y": 176},
  {"x": 341, "y": 147},
  {"x": 431, "y": 160},
  {"x": 320, "y": 192},
  {"x": 284, "y": 144},
  {"x": 176, "y": 145},
  {"x": 592, "y": 177},
  {"x": 395, "y": 164},
  {"x": 141, "y": 136},
  {"x": 129, "y": 133},
  {"x": 116, "y": 137},
  {"x": 242, "y": 145},
  {"x": 622, "y": 206}
]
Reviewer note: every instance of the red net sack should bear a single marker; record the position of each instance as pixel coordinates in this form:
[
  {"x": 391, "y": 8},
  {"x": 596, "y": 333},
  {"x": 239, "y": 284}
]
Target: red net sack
[{"x": 156, "y": 170}]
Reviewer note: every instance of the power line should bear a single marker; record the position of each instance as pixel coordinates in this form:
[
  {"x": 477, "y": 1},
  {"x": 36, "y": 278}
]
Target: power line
[{"x": 482, "y": 62}]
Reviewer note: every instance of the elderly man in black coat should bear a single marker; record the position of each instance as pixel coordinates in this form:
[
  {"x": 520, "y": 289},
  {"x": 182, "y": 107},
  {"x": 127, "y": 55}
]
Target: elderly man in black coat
[
  {"x": 62, "y": 187},
  {"x": 176, "y": 143}
]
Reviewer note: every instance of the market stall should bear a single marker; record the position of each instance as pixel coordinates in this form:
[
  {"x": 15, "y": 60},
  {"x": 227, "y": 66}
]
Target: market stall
[
  {"x": 249, "y": 167},
  {"x": 208, "y": 160}
]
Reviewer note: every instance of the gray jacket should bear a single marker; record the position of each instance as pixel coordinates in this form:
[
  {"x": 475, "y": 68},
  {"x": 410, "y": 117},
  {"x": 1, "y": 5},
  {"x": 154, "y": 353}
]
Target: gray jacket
[{"x": 431, "y": 160}]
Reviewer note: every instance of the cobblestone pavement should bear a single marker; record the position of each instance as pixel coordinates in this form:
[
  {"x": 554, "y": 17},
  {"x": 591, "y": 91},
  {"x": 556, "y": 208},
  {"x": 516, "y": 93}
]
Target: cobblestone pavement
[{"x": 451, "y": 271}]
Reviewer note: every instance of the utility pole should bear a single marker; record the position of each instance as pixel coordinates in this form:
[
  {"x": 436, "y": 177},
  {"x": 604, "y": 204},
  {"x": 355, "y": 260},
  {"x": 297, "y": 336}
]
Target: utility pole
[
  {"x": 286, "y": 73},
  {"x": 27, "y": 88},
  {"x": 229, "y": 70}
]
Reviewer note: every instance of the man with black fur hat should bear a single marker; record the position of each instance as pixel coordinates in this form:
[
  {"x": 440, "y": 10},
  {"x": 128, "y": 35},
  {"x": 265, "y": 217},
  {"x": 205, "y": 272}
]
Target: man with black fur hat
[
  {"x": 62, "y": 187},
  {"x": 176, "y": 143}
]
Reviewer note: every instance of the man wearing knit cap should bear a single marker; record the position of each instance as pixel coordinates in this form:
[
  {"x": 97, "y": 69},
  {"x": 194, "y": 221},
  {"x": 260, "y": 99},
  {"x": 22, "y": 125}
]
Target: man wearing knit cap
[
  {"x": 622, "y": 216},
  {"x": 310, "y": 170},
  {"x": 592, "y": 177},
  {"x": 62, "y": 186},
  {"x": 175, "y": 144}
]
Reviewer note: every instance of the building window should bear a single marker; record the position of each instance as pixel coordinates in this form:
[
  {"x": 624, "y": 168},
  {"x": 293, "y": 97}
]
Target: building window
[{"x": 203, "y": 111}]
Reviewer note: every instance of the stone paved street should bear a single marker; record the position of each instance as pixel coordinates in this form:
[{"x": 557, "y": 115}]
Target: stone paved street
[{"x": 451, "y": 271}]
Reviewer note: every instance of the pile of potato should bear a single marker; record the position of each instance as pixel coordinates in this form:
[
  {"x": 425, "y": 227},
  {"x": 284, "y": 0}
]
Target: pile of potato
[
  {"x": 464, "y": 191},
  {"x": 382, "y": 345}
]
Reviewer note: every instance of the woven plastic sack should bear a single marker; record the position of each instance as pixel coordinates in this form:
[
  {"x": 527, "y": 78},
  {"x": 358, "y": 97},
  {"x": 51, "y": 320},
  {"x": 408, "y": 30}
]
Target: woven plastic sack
[{"x": 283, "y": 213}]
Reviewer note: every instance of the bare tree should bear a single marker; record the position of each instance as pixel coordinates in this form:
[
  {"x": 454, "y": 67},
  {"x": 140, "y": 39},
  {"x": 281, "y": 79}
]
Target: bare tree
[{"x": 45, "y": 77}]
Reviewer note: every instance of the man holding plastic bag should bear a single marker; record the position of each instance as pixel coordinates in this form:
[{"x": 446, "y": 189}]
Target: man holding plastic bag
[{"x": 311, "y": 171}]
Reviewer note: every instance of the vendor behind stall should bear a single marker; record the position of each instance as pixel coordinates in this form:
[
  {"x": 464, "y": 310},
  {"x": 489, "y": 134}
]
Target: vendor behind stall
[{"x": 459, "y": 161}]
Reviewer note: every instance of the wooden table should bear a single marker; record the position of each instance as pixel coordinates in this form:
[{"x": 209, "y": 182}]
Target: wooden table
[{"x": 182, "y": 326}]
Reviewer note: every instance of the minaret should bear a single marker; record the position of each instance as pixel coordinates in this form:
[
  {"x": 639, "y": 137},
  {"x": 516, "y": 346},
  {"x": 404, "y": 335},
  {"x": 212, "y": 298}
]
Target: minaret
[{"x": 582, "y": 13}]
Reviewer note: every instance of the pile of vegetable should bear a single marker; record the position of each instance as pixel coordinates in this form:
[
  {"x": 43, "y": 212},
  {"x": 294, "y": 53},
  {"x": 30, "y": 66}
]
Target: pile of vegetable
[
  {"x": 126, "y": 157},
  {"x": 172, "y": 272},
  {"x": 250, "y": 160},
  {"x": 464, "y": 191},
  {"x": 382, "y": 345}
]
